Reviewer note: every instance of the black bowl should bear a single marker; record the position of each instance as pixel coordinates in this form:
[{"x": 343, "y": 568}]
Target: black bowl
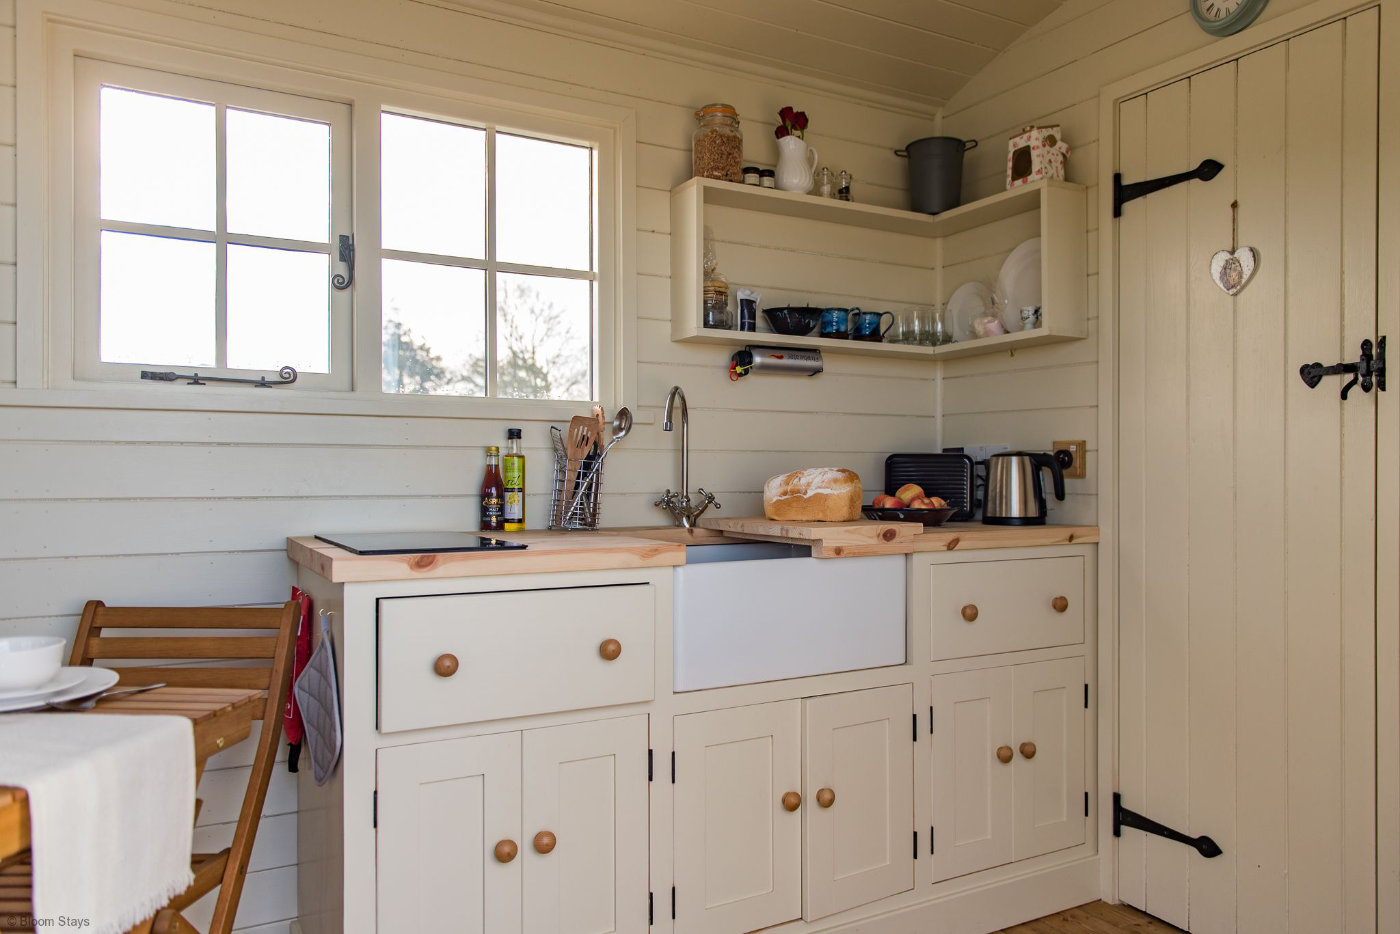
[
  {"x": 795, "y": 321},
  {"x": 926, "y": 516}
]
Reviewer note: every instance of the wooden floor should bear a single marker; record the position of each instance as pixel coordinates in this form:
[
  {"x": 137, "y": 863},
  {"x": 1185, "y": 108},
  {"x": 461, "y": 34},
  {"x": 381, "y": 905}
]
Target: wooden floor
[{"x": 1096, "y": 918}]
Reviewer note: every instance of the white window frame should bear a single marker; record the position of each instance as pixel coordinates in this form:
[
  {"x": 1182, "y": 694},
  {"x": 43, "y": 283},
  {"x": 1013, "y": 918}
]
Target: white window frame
[
  {"x": 91, "y": 76},
  {"x": 52, "y": 34}
]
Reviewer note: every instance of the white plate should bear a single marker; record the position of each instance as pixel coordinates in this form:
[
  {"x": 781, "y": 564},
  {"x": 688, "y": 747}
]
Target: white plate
[
  {"x": 970, "y": 300},
  {"x": 1019, "y": 282},
  {"x": 66, "y": 678},
  {"x": 94, "y": 681}
]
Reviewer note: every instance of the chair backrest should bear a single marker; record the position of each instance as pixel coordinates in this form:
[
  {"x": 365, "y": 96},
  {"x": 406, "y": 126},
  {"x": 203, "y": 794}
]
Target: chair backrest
[{"x": 210, "y": 649}]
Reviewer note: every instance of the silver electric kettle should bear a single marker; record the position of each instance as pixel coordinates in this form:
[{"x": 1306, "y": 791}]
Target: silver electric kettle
[{"x": 1014, "y": 492}]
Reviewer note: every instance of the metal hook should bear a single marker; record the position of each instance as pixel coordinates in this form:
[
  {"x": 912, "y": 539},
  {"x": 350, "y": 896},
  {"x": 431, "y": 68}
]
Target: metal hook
[{"x": 347, "y": 256}]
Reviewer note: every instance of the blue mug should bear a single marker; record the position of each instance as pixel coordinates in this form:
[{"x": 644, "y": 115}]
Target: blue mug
[
  {"x": 836, "y": 322},
  {"x": 865, "y": 325}
]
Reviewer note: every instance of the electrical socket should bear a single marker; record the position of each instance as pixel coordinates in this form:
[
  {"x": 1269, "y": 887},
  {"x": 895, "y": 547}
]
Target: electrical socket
[{"x": 1080, "y": 452}]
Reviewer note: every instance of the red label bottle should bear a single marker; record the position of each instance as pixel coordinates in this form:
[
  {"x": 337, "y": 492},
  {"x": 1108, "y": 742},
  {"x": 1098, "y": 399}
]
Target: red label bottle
[{"x": 493, "y": 493}]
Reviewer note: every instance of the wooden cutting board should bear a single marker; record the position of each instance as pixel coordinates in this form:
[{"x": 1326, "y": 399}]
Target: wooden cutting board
[{"x": 828, "y": 539}]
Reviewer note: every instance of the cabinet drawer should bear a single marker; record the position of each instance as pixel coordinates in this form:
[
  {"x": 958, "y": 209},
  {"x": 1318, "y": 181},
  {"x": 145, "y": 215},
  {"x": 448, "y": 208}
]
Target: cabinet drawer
[
  {"x": 484, "y": 656},
  {"x": 1013, "y": 605}
]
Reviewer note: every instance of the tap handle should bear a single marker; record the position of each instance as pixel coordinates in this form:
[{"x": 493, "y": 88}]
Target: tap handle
[{"x": 709, "y": 498}]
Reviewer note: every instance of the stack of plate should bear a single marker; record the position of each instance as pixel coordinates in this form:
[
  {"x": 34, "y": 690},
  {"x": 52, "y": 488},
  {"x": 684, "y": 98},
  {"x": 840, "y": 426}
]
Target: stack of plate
[{"x": 71, "y": 683}]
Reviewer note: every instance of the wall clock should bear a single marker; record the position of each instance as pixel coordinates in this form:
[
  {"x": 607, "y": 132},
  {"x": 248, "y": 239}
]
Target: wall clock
[{"x": 1226, "y": 17}]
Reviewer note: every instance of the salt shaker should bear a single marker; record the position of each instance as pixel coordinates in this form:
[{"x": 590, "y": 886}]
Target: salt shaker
[{"x": 824, "y": 183}]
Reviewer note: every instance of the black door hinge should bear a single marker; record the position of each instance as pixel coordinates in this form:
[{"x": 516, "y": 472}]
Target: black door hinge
[
  {"x": 930, "y": 841},
  {"x": 649, "y": 765},
  {"x": 916, "y": 728},
  {"x": 930, "y": 719},
  {"x": 1122, "y": 817},
  {"x": 1122, "y": 193},
  {"x": 376, "y": 809},
  {"x": 1086, "y": 696},
  {"x": 673, "y": 903},
  {"x": 673, "y": 766},
  {"x": 916, "y": 844},
  {"x": 1086, "y": 804},
  {"x": 651, "y": 909}
]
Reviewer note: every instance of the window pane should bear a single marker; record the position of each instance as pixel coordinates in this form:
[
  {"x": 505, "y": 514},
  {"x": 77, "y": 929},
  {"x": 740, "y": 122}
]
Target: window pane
[
  {"x": 433, "y": 186},
  {"x": 544, "y": 337},
  {"x": 434, "y": 329},
  {"x": 278, "y": 309},
  {"x": 156, "y": 301},
  {"x": 279, "y": 176},
  {"x": 544, "y": 203},
  {"x": 157, "y": 159}
]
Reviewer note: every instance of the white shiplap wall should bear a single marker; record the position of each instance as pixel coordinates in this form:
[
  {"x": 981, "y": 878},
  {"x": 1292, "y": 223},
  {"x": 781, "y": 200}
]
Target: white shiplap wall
[
  {"x": 1053, "y": 74},
  {"x": 182, "y": 507}
]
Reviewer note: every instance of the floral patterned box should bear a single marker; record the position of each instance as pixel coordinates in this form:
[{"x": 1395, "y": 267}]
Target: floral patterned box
[{"x": 1037, "y": 153}]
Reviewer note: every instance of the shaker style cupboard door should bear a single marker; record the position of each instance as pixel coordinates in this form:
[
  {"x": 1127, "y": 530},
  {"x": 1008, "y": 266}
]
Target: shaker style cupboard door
[
  {"x": 1049, "y": 763},
  {"x": 584, "y": 845},
  {"x": 973, "y": 766},
  {"x": 858, "y": 809},
  {"x": 738, "y": 848},
  {"x": 449, "y": 843}
]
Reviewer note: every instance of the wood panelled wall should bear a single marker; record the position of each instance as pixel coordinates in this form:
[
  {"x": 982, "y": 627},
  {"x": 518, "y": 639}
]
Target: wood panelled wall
[
  {"x": 1052, "y": 74},
  {"x": 183, "y": 507}
]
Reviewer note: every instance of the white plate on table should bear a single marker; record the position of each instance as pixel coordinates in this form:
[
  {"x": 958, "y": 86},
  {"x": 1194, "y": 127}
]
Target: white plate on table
[
  {"x": 1019, "y": 282},
  {"x": 971, "y": 300},
  {"x": 89, "y": 681},
  {"x": 66, "y": 678}
]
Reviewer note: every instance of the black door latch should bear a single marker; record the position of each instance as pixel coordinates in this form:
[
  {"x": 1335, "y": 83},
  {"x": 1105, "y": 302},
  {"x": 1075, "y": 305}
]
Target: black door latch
[{"x": 1368, "y": 371}]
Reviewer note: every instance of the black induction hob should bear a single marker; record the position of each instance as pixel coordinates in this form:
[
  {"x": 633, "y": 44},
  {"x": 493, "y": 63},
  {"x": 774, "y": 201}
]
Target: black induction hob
[{"x": 415, "y": 543}]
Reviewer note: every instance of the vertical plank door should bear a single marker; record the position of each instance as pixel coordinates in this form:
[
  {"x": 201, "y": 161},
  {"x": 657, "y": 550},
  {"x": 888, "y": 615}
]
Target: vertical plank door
[
  {"x": 1048, "y": 811},
  {"x": 1247, "y": 500},
  {"x": 738, "y": 851},
  {"x": 972, "y": 787},
  {"x": 858, "y": 847},
  {"x": 443, "y": 808},
  {"x": 586, "y": 785}
]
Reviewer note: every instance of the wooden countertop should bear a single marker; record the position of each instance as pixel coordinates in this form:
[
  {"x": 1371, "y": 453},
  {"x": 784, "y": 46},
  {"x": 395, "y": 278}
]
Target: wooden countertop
[
  {"x": 548, "y": 552},
  {"x": 612, "y": 549}
]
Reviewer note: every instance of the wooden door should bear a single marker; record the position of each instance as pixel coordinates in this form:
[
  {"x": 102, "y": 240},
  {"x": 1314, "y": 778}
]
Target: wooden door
[
  {"x": 858, "y": 847},
  {"x": 972, "y": 787},
  {"x": 1247, "y": 500},
  {"x": 738, "y": 851},
  {"x": 586, "y": 785},
  {"x": 443, "y": 807},
  {"x": 1049, "y": 805}
]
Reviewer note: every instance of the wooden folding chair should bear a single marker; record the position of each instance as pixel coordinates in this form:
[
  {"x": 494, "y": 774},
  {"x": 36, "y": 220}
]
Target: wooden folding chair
[{"x": 235, "y": 661}]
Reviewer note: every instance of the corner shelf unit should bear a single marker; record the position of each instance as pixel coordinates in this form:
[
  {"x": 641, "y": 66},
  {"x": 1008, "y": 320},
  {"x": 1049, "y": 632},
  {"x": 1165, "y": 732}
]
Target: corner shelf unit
[{"x": 987, "y": 229}]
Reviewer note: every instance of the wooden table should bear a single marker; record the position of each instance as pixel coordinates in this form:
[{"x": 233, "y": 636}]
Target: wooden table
[{"x": 220, "y": 717}]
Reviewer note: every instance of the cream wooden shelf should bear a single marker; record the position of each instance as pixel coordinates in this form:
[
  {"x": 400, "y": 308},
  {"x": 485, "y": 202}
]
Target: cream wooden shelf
[{"x": 1062, "y": 209}]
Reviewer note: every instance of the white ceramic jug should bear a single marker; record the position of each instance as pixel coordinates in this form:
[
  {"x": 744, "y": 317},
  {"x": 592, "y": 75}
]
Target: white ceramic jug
[{"x": 796, "y": 163}]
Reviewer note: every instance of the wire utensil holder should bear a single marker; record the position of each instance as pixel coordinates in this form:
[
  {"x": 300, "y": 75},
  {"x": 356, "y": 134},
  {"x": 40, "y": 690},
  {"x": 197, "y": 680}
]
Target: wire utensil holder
[{"x": 574, "y": 500}]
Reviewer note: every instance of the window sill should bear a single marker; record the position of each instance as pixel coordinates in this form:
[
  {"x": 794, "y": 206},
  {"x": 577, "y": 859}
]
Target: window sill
[{"x": 180, "y": 397}]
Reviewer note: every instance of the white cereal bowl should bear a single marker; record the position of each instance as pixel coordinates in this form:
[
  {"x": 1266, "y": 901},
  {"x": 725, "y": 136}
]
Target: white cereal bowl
[{"x": 29, "y": 661}]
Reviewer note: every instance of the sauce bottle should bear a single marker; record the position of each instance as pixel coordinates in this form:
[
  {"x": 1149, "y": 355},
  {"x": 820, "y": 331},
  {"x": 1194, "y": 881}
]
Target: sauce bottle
[
  {"x": 513, "y": 470},
  {"x": 492, "y": 493}
]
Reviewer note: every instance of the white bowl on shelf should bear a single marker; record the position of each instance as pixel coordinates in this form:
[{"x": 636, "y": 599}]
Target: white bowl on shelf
[{"x": 29, "y": 661}]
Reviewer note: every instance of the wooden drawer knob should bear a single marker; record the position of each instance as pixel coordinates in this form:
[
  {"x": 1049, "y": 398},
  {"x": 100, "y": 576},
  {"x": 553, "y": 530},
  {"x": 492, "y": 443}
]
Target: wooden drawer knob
[
  {"x": 544, "y": 842},
  {"x": 1004, "y": 754},
  {"x": 506, "y": 851},
  {"x": 826, "y": 797},
  {"x": 1028, "y": 750},
  {"x": 969, "y": 612},
  {"x": 792, "y": 801},
  {"x": 610, "y": 649},
  {"x": 446, "y": 665},
  {"x": 1060, "y": 604}
]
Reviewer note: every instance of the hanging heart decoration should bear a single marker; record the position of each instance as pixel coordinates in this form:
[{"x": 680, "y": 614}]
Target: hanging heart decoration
[
  {"x": 1233, "y": 268},
  {"x": 1232, "y": 271}
]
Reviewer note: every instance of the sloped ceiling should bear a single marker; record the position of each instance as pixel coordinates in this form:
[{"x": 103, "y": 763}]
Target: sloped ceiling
[{"x": 920, "y": 51}]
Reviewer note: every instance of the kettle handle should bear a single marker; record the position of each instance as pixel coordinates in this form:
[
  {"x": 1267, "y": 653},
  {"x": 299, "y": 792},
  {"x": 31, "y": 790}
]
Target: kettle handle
[{"x": 1056, "y": 471}]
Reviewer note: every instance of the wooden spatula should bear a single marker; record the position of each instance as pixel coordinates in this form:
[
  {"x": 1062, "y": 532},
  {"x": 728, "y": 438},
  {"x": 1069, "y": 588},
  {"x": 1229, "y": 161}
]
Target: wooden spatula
[{"x": 578, "y": 445}]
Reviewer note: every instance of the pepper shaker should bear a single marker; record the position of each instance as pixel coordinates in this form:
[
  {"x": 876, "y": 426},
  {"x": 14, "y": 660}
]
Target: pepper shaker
[{"x": 844, "y": 192}]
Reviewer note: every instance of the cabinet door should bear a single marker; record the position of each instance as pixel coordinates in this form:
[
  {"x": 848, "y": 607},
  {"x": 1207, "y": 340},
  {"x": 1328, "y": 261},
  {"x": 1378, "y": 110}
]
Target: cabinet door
[
  {"x": 443, "y": 807},
  {"x": 1049, "y": 808},
  {"x": 972, "y": 787},
  {"x": 737, "y": 850},
  {"x": 586, "y": 783},
  {"x": 859, "y": 846}
]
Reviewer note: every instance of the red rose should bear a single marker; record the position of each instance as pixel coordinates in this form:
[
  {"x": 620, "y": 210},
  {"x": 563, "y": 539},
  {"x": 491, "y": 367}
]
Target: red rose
[
  {"x": 799, "y": 120},
  {"x": 780, "y": 131},
  {"x": 786, "y": 115}
]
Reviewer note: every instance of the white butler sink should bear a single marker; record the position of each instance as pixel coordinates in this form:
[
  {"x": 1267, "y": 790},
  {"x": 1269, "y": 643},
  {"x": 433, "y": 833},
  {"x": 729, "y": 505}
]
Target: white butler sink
[{"x": 763, "y": 612}]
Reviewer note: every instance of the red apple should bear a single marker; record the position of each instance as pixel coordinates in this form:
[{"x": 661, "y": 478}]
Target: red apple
[
  {"x": 885, "y": 501},
  {"x": 938, "y": 502},
  {"x": 909, "y": 492},
  {"x": 921, "y": 502}
]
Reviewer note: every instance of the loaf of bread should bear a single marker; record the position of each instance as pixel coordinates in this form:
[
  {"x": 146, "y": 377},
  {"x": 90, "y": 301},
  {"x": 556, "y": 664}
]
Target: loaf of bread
[{"x": 821, "y": 494}]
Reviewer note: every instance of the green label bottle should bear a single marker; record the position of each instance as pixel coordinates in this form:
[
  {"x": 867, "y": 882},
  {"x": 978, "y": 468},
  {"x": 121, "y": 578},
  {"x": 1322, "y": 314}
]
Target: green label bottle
[{"x": 513, "y": 469}]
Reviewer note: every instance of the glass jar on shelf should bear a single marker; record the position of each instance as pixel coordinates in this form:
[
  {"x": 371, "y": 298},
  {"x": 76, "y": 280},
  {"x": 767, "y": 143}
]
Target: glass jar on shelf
[
  {"x": 715, "y": 308},
  {"x": 717, "y": 146}
]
